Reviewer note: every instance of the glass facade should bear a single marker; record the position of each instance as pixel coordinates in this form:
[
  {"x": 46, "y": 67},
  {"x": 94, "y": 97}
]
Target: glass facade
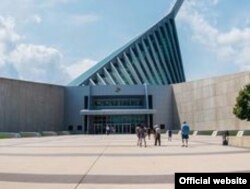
[
  {"x": 118, "y": 102},
  {"x": 120, "y": 123}
]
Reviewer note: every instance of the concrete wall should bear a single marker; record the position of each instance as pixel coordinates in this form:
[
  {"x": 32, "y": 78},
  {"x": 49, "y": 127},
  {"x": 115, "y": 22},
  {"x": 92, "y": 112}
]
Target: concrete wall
[
  {"x": 163, "y": 103},
  {"x": 28, "y": 106},
  {"x": 205, "y": 104},
  {"x": 208, "y": 104},
  {"x": 239, "y": 141},
  {"x": 74, "y": 103}
]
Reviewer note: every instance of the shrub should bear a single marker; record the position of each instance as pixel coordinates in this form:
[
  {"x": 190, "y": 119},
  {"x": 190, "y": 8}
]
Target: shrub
[
  {"x": 191, "y": 132},
  {"x": 231, "y": 132},
  {"x": 9, "y": 135},
  {"x": 30, "y": 134},
  {"x": 246, "y": 133},
  {"x": 242, "y": 107},
  {"x": 49, "y": 133},
  {"x": 63, "y": 133},
  {"x": 205, "y": 132},
  {"x": 220, "y": 133},
  {"x": 175, "y": 131}
]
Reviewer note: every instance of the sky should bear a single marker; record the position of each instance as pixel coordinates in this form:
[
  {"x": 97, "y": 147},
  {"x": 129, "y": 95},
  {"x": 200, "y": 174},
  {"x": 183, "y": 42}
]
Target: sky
[{"x": 53, "y": 41}]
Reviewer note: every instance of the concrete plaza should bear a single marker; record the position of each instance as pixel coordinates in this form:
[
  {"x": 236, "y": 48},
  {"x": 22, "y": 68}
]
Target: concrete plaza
[{"x": 112, "y": 162}]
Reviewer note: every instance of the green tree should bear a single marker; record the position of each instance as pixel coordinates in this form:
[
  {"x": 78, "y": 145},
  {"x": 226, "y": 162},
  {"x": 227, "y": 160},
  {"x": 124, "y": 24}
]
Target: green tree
[{"x": 242, "y": 106}]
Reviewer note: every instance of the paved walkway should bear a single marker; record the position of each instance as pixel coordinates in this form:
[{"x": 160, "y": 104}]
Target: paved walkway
[{"x": 111, "y": 162}]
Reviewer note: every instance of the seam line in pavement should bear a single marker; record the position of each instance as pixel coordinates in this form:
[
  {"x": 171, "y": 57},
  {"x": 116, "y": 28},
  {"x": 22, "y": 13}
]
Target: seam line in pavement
[
  {"x": 20, "y": 144},
  {"x": 89, "y": 169}
]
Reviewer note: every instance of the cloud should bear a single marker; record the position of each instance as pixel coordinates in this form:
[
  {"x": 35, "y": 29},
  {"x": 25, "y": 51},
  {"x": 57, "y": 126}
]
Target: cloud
[
  {"x": 244, "y": 59},
  {"x": 31, "y": 19},
  {"x": 85, "y": 18},
  {"x": 32, "y": 62},
  {"x": 214, "y": 2},
  {"x": 52, "y": 3},
  {"x": 30, "y": 11},
  {"x": 8, "y": 37},
  {"x": 79, "y": 67},
  {"x": 7, "y": 30},
  {"x": 230, "y": 46},
  {"x": 38, "y": 63},
  {"x": 235, "y": 35},
  {"x": 36, "y": 19},
  {"x": 27, "y": 61}
]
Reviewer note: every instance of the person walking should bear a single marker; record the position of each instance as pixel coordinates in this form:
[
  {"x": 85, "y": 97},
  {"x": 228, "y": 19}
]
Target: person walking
[
  {"x": 137, "y": 131},
  {"x": 185, "y": 134},
  {"x": 142, "y": 134},
  {"x": 157, "y": 135},
  {"x": 169, "y": 135},
  {"x": 149, "y": 132},
  {"x": 225, "y": 137},
  {"x": 107, "y": 129}
]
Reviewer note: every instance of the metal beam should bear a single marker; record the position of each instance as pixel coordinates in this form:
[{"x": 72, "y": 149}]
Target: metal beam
[
  {"x": 163, "y": 60},
  {"x": 100, "y": 79},
  {"x": 131, "y": 69},
  {"x": 117, "y": 75},
  {"x": 178, "y": 49},
  {"x": 124, "y": 71},
  {"x": 170, "y": 53},
  {"x": 151, "y": 63},
  {"x": 157, "y": 60},
  {"x": 112, "y": 82},
  {"x": 138, "y": 66},
  {"x": 170, "y": 39},
  {"x": 145, "y": 65},
  {"x": 92, "y": 82}
]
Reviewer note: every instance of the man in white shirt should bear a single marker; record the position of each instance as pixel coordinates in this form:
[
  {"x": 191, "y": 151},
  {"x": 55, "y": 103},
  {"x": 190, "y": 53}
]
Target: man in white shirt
[{"x": 157, "y": 136}]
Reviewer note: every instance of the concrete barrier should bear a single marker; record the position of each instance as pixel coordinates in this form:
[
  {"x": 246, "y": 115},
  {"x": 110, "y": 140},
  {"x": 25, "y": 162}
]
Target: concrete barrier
[
  {"x": 179, "y": 133},
  {"x": 214, "y": 133},
  {"x": 243, "y": 141},
  {"x": 240, "y": 133}
]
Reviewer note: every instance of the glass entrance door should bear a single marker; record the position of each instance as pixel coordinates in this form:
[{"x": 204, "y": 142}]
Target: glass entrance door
[
  {"x": 122, "y": 128},
  {"x": 120, "y": 124},
  {"x": 98, "y": 129},
  {"x": 126, "y": 128}
]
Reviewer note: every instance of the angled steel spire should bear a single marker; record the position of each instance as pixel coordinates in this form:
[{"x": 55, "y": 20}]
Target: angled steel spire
[
  {"x": 154, "y": 58},
  {"x": 176, "y": 8}
]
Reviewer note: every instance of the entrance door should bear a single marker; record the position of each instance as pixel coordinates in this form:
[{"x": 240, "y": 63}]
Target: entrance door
[
  {"x": 127, "y": 128},
  {"x": 122, "y": 128},
  {"x": 98, "y": 129},
  {"x": 119, "y": 128}
]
